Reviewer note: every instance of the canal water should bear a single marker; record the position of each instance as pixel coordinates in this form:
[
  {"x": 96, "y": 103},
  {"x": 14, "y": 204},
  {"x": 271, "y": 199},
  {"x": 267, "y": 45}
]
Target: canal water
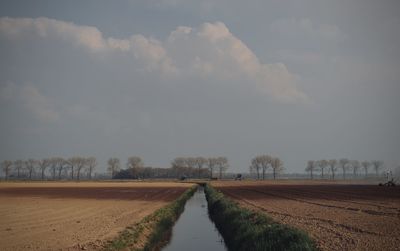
[{"x": 194, "y": 230}]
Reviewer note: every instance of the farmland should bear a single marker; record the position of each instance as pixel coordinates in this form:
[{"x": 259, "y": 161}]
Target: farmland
[
  {"x": 339, "y": 216},
  {"x": 72, "y": 216}
]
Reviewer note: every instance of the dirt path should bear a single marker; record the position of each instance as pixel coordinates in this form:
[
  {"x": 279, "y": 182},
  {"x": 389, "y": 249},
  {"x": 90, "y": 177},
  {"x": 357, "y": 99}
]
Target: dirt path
[
  {"x": 338, "y": 216},
  {"x": 71, "y": 216}
]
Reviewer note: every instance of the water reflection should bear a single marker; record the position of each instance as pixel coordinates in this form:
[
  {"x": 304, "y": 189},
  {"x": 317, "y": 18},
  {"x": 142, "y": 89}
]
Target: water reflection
[{"x": 194, "y": 230}]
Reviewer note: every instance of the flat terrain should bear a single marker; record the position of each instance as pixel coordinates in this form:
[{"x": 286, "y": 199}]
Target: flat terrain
[
  {"x": 338, "y": 216},
  {"x": 71, "y": 216}
]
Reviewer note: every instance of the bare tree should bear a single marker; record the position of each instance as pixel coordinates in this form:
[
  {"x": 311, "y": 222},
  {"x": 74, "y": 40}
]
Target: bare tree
[
  {"x": 256, "y": 166},
  {"x": 322, "y": 164},
  {"x": 6, "y": 166},
  {"x": 91, "y": 164},
  {"x": 200, "y": 162},
  {"x": 265, "y": 161},
  {"x": 80, "y": 164},
  {"x": 377, "y": 164},
  {"x": 366, "y": 165},
  {"x": 72, "y": 163},
  {"x": 60, "y": 165},
  {"x": 18, "y": 165},
  {"x": 30, "y": 165},
  {"x": 277, "y": 166},
  {"x": 113, "y": 166},
  {"x": 134, "y": 164},
  {"x": 332, "y": 166},
  {"x": 190, "y": 162},
  {"x": 310, "y": 168},
  {"x": 178, "y": 165},
  {"x": 211, "y": 164},
  {"x": 53, "y": 166},
  {"x": 344, "y": 165},
  {"x": 222, "y": 163},
  {"x": 355, "y": 164},
  {"x": 43, "y": 164}
]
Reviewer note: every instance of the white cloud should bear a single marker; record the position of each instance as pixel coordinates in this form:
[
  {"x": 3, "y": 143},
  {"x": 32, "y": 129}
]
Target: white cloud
[
  {"x": 298, "y": 27},
  {"x": 86, "y": 36},
  {"x": 210, "y": 50},
  {"x": 31, "y": 100}
]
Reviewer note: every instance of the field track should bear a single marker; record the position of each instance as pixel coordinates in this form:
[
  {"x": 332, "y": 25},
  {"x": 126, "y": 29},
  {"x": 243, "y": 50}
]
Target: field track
[
  {"x": 75, "y": 216},
  {"x": 338, "y": 216}
]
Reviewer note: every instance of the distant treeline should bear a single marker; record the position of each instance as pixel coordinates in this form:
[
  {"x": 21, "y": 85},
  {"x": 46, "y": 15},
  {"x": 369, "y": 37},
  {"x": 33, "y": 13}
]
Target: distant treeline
[
  {"x": 56, "y": 168},
  {"x": 357, "y": 169},
  {"x": 181, "y": 168},
  {"x": 77, "y": 168}
]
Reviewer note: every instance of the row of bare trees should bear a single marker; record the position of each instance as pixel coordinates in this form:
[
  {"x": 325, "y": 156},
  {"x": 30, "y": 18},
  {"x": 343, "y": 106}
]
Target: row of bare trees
[
  {"x": 54, "y": 168},
  {"x": 185, "y": 165},
  {"x": 134, "y": 168},
  {"x": 261, "y": 163},
  {"x": 344, "y": 165},
  {"x": 190, "y": 167}
]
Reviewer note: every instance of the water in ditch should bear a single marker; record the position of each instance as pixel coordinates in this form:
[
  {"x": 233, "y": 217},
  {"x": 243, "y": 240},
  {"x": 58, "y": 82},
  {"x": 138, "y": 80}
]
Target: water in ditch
[{"x": 194, "y": 230}]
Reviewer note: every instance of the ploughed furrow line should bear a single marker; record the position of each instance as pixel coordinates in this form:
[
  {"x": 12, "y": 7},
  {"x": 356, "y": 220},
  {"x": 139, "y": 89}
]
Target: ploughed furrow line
[
  {"x": 349, "y": 208},
  {"x": 329, "y": 235},
  {"x": 278, "y": 211},
  {"x": 349, "y": 196}
]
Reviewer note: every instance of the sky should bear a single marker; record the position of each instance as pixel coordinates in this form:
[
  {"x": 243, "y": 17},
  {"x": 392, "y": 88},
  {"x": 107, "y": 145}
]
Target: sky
[{"x": 299, "y": 79}]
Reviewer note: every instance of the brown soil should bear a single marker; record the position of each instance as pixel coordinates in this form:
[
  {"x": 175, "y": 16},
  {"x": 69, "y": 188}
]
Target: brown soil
[
  {"x": 70, "y": 216},
  {"x": 338, "y": 216}
]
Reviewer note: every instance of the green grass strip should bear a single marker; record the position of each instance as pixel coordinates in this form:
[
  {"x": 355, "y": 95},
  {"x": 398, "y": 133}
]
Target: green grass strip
[
  {"x": 244, "y": 229},
  {"x": 159, "y": 224}
]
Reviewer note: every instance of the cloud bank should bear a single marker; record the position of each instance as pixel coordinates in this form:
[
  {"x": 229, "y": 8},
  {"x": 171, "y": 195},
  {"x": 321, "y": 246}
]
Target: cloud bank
[{"x": 207, "y": 51}]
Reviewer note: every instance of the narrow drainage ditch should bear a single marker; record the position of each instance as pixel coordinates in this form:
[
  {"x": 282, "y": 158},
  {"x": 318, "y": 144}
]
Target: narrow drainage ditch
[{"x": 194, "y": 230}]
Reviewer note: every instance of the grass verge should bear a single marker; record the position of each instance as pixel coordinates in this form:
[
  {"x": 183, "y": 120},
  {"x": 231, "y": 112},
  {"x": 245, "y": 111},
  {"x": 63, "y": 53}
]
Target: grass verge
[
  {"x": 154, "y": 231},
  {"x": 244, "y": 229}
]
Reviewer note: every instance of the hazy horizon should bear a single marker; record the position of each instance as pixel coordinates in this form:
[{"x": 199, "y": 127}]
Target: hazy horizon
[{"x": 300, "y": 80}]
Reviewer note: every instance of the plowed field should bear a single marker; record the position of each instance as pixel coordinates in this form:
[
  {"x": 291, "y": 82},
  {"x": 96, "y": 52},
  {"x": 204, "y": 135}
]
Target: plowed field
[
  {"x": 337, "y": 216},
  {"x": 71, "y": 216}
]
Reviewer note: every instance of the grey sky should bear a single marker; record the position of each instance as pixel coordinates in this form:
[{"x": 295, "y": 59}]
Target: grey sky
[{"x": 160, "y": 79}]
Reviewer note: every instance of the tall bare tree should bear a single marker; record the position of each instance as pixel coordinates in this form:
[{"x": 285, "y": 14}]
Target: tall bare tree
[
  {"x": 277, "y": 166},
  {"x": 72, "y": 163},
  {"x": 18, "y": 165},
  {"x": 265, "y": 161},
  {"x": 310, "y": 168},
  {"x": 355, "y": 164},
  {"x": 30, "y": 165},
  {"x": 322, "y": 164},
  {"x": 6, "y": 166},
  {"x": 53, "y": 167},
  {"x": 178, "y": 165},
  {"x": 91, "y": 163},
  {"x": 80, "y": 164},
  {"x": 366, "y": 165},
  {"x": 190, "y": 162},
  {"x": 343, "y": 163},
  {"x": 43, "y": 164},
  {"x": 377, "y": 164},
  {"x": 61, "y": 163},
  {"x": 211, "y": 165},
  {"x": 222, "y": 163},
  {"x": 332, "y": 166},
  {"x": 113, "y": 166},
  {"x": 199, "y": 163},
  {"x": 256, "y": 166},
  {"x": 135, "y": 164}
]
